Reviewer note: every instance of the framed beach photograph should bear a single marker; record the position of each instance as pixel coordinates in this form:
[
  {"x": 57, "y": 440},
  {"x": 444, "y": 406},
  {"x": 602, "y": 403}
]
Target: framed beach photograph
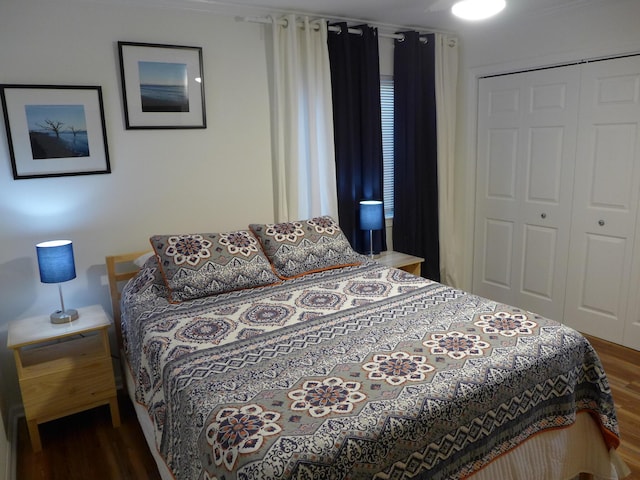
[
  {"x": 162, "y": 86},
  {"x": 55, "y": 131}
]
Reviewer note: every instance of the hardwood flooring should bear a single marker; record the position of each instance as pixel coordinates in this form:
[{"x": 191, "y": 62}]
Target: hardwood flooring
[
  {"x": 85, "y": 446},
  {"x": 623, "y": 371}
]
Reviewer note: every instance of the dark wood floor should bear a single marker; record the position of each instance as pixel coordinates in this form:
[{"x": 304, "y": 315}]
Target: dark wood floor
[
  {"x": 85, "y": 446},
  {"x": 623, "y": 370}
]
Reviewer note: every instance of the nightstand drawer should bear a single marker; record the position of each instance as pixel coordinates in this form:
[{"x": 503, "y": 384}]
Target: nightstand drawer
[
  {"x": 62, "y": 356},
  {"x": 60, "y": 393}
]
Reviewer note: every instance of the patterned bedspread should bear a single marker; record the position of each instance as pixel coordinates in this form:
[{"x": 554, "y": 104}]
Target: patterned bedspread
[{"x": 360, "y": 372}]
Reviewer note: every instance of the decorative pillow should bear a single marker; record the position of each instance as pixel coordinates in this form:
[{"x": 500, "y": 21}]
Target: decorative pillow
[
  {"x": 199, "y": 265},
  {"x": 147, "y": 287},
  {"x": 306, "y": 246}
]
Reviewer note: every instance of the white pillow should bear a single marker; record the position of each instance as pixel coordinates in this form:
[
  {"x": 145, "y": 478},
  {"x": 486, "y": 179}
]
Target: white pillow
[{"x": 142, "y": 259}]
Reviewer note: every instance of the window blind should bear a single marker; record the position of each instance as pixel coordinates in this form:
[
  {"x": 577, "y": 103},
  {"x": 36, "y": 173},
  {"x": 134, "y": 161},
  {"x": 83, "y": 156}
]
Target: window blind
[{"x": 386, "y": 105}]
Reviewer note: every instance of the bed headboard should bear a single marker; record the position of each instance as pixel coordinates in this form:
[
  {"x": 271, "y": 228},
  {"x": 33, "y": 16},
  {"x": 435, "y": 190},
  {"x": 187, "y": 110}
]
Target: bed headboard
[{"x": 120, "y": 268}]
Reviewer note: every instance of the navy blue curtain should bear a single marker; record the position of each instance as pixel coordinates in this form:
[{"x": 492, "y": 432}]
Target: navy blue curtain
[
  {"x": 355, "y": 84},
  {"x": 415, "y": 222}
]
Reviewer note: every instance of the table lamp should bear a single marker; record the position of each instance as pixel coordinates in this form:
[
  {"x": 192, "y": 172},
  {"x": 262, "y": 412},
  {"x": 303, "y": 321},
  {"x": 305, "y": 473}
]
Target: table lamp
[
  {"x": 56, "y": 265},
  {"x": 371, "y": 218}
]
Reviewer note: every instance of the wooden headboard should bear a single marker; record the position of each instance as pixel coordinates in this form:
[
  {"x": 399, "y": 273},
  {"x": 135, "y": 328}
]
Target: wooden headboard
[{"x": 120, "y": 268}]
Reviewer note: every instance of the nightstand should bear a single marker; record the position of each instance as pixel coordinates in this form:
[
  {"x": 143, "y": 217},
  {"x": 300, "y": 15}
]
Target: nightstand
[
  {"x": 63, "y": 368},
  {"x": 403, "y": 261}
]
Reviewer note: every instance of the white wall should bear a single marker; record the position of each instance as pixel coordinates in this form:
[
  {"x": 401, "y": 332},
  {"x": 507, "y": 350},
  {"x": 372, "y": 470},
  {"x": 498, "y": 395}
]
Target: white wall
[
  {"x": 501, "y": 45},
  {"x": 162, "y": 181}
]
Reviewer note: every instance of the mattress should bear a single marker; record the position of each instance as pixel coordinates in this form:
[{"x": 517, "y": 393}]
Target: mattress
[{"x": 362, "y": 372}]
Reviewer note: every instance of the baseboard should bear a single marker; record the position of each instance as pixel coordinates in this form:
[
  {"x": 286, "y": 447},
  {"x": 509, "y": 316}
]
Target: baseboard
[
  {"x": 15, "y": 413},
  {"x": 5, "y": 459}
]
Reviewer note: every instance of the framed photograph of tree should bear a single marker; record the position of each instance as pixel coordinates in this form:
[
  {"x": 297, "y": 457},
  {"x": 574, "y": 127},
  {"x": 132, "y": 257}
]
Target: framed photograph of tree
[
  {"x": 55, "y": 131},
  {"x": 162, "y": 86}
]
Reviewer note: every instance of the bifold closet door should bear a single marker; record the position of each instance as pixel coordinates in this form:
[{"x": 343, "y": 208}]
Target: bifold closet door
[
  {"x": 603, "y": 290},
  {"x": 524, "y": 182}
]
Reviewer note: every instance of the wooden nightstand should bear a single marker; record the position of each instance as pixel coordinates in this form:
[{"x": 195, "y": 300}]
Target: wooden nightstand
[
  {"x": 403, "y": 261},
  {"x": 63, "y": 369}
]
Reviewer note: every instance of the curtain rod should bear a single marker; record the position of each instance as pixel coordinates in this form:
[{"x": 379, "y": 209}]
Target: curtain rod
[{"x": 332, "y": 28}]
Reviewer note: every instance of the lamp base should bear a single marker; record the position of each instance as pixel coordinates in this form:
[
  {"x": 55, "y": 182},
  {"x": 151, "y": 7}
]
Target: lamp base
[
  {"x": 65, "y": 316},
  {"x": 371, "y": 244}
]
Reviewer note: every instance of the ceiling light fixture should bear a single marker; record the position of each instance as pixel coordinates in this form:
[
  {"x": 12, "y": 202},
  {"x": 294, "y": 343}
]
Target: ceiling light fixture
[{"x": 477, "y": 9}]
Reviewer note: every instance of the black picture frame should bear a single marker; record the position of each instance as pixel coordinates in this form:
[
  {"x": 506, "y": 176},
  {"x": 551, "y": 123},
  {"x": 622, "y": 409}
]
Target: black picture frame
[
  {"x": 55, "y": 130},
  {"x": 162, "y": 86}
]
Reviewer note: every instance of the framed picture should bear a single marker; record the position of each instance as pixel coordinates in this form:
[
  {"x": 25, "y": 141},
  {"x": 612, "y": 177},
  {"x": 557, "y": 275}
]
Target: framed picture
[
  {"x": 55, "y": 131},
  {"x": 162, "y": 86}
]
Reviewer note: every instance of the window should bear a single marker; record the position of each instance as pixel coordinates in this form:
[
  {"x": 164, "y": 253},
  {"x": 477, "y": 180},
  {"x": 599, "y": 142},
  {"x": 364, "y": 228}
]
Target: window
[{"x": 386, "y": 104}]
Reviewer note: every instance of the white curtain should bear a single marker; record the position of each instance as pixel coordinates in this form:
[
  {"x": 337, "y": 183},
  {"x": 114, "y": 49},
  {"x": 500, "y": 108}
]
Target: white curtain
[
  {"x": 446, "y": 85},
  {"x": 302, "y": 121}
]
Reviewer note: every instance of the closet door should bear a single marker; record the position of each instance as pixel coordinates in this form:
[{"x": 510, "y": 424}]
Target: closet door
[
  {"x": 601, "y": 260},
  {"x": 525, "y": 168}
]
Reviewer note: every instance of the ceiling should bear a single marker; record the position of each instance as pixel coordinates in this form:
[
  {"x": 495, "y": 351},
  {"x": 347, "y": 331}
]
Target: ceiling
[{"x": 424, "y": 14}]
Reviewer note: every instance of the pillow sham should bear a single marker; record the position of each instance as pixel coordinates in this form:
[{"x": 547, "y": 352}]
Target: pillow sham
[
  {"x": 147, "y": 286},
  {"x": 203, "y": 264},
  {"x": 305, "y": 246}
]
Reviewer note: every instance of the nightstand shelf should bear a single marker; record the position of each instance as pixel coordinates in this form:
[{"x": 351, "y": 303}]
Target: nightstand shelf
[
  {"x": 64, "y": 368},
  {"x": 403, "y": 261}
]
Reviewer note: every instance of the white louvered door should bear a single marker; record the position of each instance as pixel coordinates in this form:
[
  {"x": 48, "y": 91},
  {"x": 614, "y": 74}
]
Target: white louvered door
[{"x": 525, "y": 167}]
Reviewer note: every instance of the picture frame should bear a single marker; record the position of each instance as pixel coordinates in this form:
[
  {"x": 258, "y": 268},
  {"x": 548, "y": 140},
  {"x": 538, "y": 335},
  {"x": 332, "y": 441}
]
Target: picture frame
[
  {"x": 162, "y": 86},
  {"x": 55, "y": 130}
]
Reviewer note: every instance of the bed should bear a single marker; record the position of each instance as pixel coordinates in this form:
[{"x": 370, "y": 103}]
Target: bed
[{"x": 279, "y": 353}]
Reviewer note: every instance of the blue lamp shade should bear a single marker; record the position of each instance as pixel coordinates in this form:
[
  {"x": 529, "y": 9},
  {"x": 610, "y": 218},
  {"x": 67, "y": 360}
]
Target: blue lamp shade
[
  {"x": 55, "y": 261},
  {"x": 371, "y": 215}
]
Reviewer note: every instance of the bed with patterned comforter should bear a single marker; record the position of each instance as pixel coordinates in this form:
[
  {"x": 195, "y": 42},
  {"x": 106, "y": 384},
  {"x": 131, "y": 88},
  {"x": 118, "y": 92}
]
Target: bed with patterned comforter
[{"x": 357, "y": 372}]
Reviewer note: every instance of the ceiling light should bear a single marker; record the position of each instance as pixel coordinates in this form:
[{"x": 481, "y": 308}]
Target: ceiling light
[{"x": 477, "y": 9}]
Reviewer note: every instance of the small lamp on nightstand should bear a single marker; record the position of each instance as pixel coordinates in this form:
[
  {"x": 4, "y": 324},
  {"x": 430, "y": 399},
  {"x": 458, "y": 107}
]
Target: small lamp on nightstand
[
  {"x": 56, "y": 265},
  {"x": 371, "y": 218}
]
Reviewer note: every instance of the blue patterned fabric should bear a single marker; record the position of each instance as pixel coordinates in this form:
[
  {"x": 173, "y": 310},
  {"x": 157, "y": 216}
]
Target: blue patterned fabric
[
  {"x": 360, "y": 372},
  {"x": 305, "y": 246},
  {"x": 203, "y": 264}
]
